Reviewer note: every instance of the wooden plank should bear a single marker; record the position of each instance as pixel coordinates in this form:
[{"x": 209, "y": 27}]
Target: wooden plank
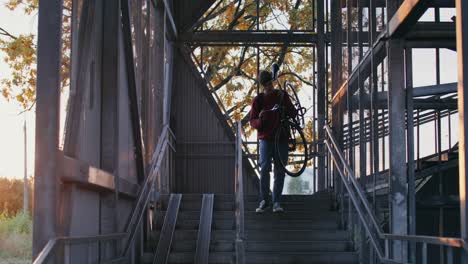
[
  {"x": 82, "y": 173},
  {"x": 167, "y": 232},
  {"x": 204, "y": 230}
]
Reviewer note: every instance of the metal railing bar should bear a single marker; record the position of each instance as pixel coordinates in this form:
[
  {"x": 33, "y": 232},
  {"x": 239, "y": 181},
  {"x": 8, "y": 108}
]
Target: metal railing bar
[
  {"x": 424, "y": 253},
  {"x": 204, "y": 231},
  {"x": 442, "y": 241},
  {"x": 53, "y": 243},
  {"x": 152, "y": 175},
  {"x": 239, "y": 196},
  {"x": 449, "y": 255},
  {"x": 167, "y": 232},
  {"x": 374, "y": 241},
  {"x": 46, "y": 251},
  {"x": 358, "y": 187},
  {"x": 425, "y": 240},
  {"x": 156, "y": 154}
]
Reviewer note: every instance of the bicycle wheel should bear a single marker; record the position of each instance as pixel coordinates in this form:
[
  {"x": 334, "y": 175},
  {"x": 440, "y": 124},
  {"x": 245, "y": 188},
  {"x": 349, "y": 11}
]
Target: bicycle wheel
[
  {"x": 289, "y": 88},
  {"x": 295, "y": 161}
]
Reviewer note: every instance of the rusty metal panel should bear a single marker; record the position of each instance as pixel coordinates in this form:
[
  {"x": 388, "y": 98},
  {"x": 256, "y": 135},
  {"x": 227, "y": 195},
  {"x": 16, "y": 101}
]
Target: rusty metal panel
[
  {"x": 126, "y": 165},
  {"x": 205, "y": 149},
  {"x": 90, "y": 125}
]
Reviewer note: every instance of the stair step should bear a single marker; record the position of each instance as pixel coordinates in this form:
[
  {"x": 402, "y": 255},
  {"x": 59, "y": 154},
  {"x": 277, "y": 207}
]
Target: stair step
[
  {"x": 191, "y": 246},
  {"x": 257, "y": 235},
  {"x": 220, "y": 198},
  {"x": 297, "y": 235},
  {"x": 265, "y": 246},
  {"x": 301, "y": 257},
  {"x": 254, "y": 224},
  {"x": 268, "y": 215},
  {"x": 321, "y": 206},
  {"x": 298, "y": 246},
  {"x": 216, "y": 235},
  {"x": 188, "y": 257}
]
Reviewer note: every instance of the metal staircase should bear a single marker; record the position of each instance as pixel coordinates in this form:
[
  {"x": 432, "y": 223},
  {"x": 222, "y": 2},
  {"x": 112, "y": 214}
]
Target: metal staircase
[{"x": 307, "y": 233}]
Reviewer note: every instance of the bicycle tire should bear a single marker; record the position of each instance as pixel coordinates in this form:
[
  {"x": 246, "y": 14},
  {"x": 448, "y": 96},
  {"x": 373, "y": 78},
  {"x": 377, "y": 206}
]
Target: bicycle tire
[{"x": 305, "y": 154}]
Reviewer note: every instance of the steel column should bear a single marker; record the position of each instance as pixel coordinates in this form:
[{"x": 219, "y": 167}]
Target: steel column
[
  {"x": 132, "y": 89},
  {"x": 321, "y": 93},
  {"x": 410, "y": 151},
  {"x": 49, "y": 47},
  {"x": 397, "y": 141},
  {"x": 336, "y": 64},
  {"x": 109, "y": 99},
  {"x": 462, "y": 46}
]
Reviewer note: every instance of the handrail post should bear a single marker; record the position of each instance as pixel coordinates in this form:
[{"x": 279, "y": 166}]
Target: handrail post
[{"x": 239, "y": 195}]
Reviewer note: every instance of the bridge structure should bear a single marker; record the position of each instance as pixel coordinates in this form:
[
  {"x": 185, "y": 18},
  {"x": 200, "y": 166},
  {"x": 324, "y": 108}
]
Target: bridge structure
[{"x": 153, "y": 168}]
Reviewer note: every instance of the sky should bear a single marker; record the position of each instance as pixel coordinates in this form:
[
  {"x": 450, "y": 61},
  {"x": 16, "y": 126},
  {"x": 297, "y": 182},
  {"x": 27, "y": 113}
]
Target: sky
[{"x": 11, "y": 131}]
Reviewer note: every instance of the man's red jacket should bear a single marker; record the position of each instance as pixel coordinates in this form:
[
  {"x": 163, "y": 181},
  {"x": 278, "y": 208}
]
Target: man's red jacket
[{"x": 268, "y": 123}]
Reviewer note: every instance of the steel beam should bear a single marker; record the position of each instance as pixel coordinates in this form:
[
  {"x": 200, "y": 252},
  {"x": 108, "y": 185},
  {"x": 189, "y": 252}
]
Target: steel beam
[
  {"x": 432, "y": 31},
  {"x": 423, "y": 104},
  {"x": 132, "y": 90},
  {"x": 321, "y": 98},
  {"x": 423, "y": 35},
  {"x": 462, "y": 46},
  {"x": 405, "y": 17},
  {"x": 109, "y": 86},
  {"x": 248, "y": 37},
  {"x": 382, "y": 3},
  {"x": 46, "y": 186},
  {"x": 337, "y": 79},
  {"x": 397, "y": 141},
  {"x": 376, "y": 56}
]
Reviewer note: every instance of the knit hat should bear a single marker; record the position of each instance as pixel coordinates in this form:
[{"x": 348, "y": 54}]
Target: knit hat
[{"x": 265, "y": 77}]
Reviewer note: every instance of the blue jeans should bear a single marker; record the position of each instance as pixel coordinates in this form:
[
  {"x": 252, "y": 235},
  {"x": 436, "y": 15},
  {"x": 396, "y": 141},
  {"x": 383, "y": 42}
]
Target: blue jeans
[{"x": 267, "y": 153}]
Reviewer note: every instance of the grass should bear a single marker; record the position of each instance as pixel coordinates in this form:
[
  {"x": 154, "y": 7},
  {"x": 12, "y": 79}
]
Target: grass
[{"x": 15, "y": 239}]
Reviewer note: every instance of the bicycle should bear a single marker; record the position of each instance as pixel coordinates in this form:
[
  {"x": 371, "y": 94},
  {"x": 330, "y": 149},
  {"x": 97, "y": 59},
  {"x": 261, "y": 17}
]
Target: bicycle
[{"x": 293, "y": 127}]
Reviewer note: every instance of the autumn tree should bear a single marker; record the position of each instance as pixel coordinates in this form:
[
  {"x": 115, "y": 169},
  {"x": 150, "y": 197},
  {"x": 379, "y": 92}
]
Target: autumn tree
[
  {"x": 231, "y": 71},
  {"x": 11, "y": 200},
  {"x": 20, "y": 55}
]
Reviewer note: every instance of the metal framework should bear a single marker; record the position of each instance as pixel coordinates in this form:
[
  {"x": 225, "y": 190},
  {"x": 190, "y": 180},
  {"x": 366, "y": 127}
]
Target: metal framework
[{"x": 384, "y": 109}]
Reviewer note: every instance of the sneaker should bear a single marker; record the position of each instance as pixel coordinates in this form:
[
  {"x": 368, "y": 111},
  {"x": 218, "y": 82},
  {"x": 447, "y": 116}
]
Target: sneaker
[
  {"x": 262, "y": 207},
  {"x": 277, "y": 208}
]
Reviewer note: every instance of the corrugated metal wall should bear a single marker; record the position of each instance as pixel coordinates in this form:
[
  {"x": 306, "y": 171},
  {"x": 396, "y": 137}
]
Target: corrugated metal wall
[{"x": 205, "y": 150}]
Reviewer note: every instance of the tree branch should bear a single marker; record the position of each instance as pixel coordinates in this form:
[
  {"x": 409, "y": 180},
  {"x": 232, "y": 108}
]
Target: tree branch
[
  {"x": 297, "y": 76},
  {"x": 6, "y": 33}
]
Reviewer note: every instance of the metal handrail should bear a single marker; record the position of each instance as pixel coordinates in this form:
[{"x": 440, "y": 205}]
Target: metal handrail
[
  {"x": 144, "y": 195},
  {"x": 52, "y": 244},
  {"x": 425, "y": 240},
  {"x": 137, "y": 213},
  {"x": 356, "y": 185},
  {"x": 239, "y": 194}
]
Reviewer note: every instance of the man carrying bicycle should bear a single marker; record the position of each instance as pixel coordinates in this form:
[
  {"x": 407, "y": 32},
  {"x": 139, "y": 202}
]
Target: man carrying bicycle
[{"x": 265, "y": 117}]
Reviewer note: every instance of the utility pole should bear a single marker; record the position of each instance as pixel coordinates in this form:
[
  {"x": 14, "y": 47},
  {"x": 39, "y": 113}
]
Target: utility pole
[{"x": 25, "y": 181}]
